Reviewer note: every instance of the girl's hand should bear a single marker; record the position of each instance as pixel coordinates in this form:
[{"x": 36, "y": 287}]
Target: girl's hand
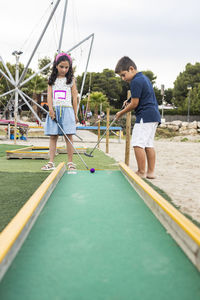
[
  {"x": 76, "y": 118},
  {"x": 52, "y": 114}
]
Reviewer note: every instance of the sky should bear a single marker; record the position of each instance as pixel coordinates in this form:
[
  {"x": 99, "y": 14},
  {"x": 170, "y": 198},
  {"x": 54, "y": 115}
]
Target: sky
[{"x": 161, "y": 36}]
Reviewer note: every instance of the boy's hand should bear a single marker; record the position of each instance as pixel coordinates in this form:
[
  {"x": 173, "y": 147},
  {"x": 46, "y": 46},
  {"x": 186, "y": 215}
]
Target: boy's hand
[
  {"x": 126, "y": 102},
  {"x": 118, "y": 115}
]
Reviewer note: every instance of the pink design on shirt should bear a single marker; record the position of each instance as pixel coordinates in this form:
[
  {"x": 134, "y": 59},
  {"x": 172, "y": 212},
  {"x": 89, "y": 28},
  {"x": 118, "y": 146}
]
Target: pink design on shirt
[{"x": 60, "y": 95}]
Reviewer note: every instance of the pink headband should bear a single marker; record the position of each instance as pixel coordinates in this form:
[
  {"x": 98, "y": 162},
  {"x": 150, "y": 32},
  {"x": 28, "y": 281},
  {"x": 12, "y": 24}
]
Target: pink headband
[{"x": 64, "y": 54}]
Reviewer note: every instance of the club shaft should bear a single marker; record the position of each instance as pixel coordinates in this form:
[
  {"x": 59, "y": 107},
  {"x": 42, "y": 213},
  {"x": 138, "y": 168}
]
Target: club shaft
[
  {"x": 102, "y": 136},
  {"x": 71, "y": 144},
  {"x": 67, "y": 139}
]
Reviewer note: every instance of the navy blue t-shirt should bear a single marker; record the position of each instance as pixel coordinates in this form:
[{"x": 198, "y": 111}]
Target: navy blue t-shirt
[{"x": 147, "y": 108}]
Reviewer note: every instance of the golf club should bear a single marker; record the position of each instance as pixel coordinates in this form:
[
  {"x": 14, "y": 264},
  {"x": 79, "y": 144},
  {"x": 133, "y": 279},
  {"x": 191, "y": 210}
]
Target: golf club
[
  {"x": 91, "y": 170},
  {"x": 71, "y": 144},
  {"x": 90, "y": 154}
]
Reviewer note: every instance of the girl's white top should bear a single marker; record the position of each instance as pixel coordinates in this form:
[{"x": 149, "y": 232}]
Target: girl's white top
[{"x": 61, "y": 93}]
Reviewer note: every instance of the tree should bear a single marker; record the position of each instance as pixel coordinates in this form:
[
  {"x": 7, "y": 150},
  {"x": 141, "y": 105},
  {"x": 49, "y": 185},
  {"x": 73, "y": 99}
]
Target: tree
[
  {"x": 150, "y": 75},
  {"x": 96, "y": 98},
  {"x": 190, "y": 76},
  {"x": 194, "y": 99},
  {"x": 112, "y": 86},
  {"x": 106, "y": 82},
  {"x": 42, "y": 63},
  {"x": 169, "y": 96}
]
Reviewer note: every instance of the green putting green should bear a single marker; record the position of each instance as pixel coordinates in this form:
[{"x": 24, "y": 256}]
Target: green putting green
[
  {"x": 39, "y": 150},
  {"x": 96, "y": 239}
]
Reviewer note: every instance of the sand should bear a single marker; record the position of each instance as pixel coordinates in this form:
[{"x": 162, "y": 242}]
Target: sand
[{"x": 177, "y": 166}]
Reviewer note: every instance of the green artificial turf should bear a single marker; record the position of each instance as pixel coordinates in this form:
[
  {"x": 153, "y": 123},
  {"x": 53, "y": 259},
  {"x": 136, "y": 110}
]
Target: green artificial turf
[
  {"x": 19, "y": 178},
  {"x": 100, "y": 161},
  {"x": 15, "y": 190},
  {"x": 97, "y": 240},
  {"x": 5, "y": 147}
]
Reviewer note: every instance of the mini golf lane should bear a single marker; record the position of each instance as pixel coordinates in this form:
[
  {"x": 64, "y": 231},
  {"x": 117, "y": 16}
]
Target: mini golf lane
[{"x": 96, "y": 239}]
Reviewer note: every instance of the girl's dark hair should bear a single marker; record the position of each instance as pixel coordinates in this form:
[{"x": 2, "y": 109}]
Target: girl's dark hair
[
  {"x": 124, "y": 64},
  {"x": 70, "y": 74}
]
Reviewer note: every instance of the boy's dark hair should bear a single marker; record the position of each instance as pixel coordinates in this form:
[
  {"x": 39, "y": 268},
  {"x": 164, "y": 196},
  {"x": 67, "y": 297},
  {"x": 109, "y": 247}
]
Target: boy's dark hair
[
  {"x": 124, "y": 64},
  {"x": 54, "y": 73}
]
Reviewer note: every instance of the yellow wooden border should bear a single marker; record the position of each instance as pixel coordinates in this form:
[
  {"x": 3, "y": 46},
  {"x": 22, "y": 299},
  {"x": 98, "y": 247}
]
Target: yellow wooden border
[
  {"x": 17, "y": 150},
  {"x": 10, "y": 234},
  {"x": 24, "y": 150},
  {"x": 192, "y": 230}
]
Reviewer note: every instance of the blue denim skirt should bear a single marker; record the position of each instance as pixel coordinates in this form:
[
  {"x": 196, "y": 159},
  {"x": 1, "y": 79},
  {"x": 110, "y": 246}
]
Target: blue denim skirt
[{"x": 65, "y": 117}]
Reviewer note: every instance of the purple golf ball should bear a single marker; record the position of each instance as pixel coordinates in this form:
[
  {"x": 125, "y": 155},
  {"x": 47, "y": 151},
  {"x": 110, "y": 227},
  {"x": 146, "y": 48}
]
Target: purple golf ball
[{"x": 92, "y": 170}]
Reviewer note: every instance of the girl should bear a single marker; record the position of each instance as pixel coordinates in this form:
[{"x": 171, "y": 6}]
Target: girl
[{"x": 62, "y": 102}]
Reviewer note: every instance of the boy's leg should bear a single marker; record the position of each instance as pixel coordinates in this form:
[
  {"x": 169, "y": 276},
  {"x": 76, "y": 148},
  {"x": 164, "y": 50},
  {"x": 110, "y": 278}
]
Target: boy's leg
[
  {"x": 52, "y": 147},
  {"x": 70, "y": 150},
  {"x": 151, "y": 159},
  {"x": 140, "y": 156}
]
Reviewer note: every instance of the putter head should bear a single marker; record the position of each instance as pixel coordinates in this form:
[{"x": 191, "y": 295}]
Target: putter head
[{"x": 89, "y": 155}]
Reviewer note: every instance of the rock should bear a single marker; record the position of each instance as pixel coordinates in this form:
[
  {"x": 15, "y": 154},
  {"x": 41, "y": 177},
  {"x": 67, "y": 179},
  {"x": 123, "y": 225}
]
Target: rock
[
  {"x": 184, "y": 124},
  {"x": 177, "y": 123},
  {"x": 192, "y": 125},
  {"x": 192, "y": 131},
  {"x": 187, "y": 131},
  {"x": 163, "y": 125},
  {"x": 173, "y": 127}
]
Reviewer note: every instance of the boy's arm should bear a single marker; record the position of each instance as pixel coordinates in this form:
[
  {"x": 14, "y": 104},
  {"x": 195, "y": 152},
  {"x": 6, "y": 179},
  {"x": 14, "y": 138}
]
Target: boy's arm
[
  {"x": 74, "y": 99},
  {"x": 131, "y": 106}
]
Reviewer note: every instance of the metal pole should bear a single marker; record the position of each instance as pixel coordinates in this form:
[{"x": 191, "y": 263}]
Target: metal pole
[
  {"x": 7, "y": 92},
  {"x": 16, "y": 96},
  {"x": 63, "y": 25},
  {"x": 163, "y": 94},
  {"x": 21, "y": 94},
  {"x": 83, "y": 82},
  {"x": 189, "y": 87},
  {"x": 49, "y": 64},
  {"x": 7, "y": 108},
  {"x": 12, "y": 82},
  {"x": 188, "y": 116},
  {"x": 43, "y": 32},
  {"x": 32, "y": 76},
  {"x": 81, "y": 42},
  {"x": 7, "y": 70}
]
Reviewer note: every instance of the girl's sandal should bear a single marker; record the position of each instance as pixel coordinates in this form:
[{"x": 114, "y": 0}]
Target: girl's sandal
[
  {"x": 71, "y": 168},
  {"x": 48, "y": 167}
]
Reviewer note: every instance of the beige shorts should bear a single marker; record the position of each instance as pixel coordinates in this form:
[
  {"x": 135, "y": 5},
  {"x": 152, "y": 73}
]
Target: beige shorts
[{"x": 143, "y": 134}]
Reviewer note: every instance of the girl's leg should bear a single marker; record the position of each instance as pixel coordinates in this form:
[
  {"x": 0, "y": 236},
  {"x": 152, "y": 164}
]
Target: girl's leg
[
  {"x": 70, "y": 149},
  {"x": 151, "y": 159},
  {"x": 141, "y": 160},
  {"x": 52, "y": 147}
]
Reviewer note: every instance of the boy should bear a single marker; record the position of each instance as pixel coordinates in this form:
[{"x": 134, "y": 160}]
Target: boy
[{"x": 144, "y": 102}]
